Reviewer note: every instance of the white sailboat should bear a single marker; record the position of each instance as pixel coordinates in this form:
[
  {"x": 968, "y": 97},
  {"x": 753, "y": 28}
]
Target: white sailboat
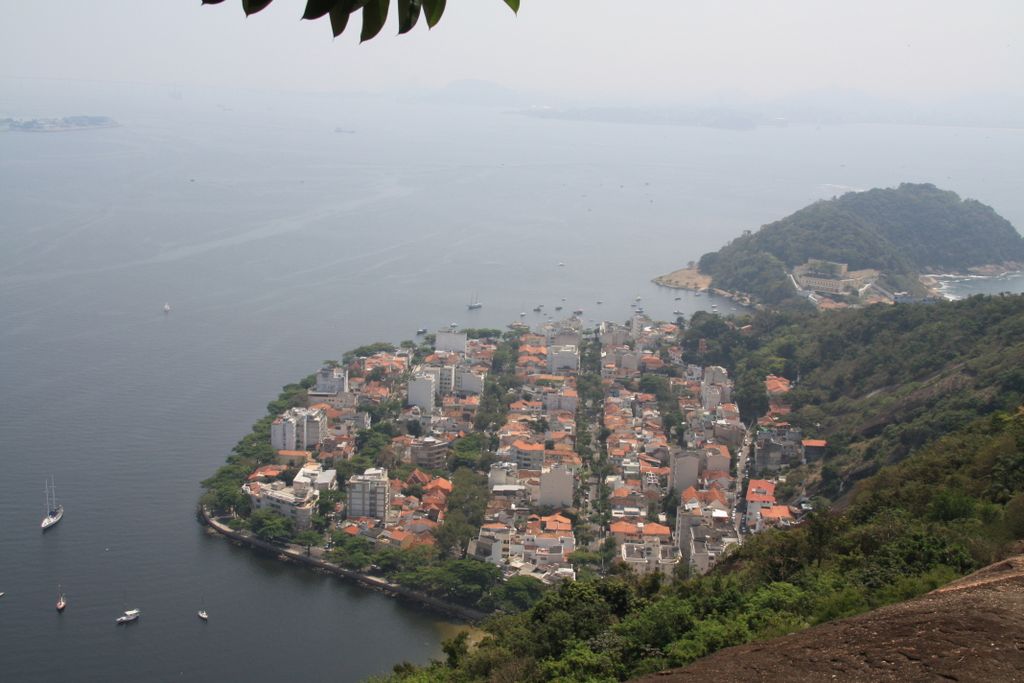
[
  {"x": 62, "y": 599},
  {"x": 474, "y": 303},
  {"x": 54, "y": 511}
]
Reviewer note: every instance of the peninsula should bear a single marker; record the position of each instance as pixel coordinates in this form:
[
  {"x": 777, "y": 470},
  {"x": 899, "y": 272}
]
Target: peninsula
[
  {"x": 860, "y": 248},
  {"x": 634, "y": 496}
]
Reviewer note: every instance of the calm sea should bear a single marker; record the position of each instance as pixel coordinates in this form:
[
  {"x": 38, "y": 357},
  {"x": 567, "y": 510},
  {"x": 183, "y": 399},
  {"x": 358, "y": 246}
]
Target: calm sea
[{"x": 279, "y": 243}]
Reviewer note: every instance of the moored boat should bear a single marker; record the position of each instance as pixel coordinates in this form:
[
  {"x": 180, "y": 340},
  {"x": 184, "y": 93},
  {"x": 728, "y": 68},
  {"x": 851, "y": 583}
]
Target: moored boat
[
  {"x": 62, "y": 599},
  {"x": 129, "y": 616},
  {"x": 203, "y": 615},
  {"x": 54, "y": 511}
]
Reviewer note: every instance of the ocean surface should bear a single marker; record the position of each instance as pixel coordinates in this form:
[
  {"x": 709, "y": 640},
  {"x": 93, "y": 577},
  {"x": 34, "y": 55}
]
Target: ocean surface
[{"x": 284, "y": 230}]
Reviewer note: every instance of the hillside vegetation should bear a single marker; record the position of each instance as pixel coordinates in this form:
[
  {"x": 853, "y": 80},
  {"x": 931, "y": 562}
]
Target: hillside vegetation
[
  {"x": 949, "y": 509},
  {"x": 881, "y": 381},
  {"x": 900, "y": 231}
]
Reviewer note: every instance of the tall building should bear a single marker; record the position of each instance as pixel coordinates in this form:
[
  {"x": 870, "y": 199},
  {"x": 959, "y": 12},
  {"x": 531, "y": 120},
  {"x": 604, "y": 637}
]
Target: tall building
[
  {"x": 685, "y": 468},
  {"x": 429, "y": 453},
  {"x": 556, "y": 487},
  {"x": 298, "y": 429},
  {"x": 368, "y": 494},
  {"x": 421, "y": 392}
]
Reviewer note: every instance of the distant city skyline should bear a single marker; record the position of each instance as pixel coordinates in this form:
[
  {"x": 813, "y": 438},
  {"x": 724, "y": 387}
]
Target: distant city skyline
[{"x": 660, "y": 51}]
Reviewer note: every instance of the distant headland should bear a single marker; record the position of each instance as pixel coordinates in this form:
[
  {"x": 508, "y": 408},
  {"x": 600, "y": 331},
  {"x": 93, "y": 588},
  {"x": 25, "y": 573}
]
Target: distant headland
[
  {"x": 860, "y": 248},
  {"x": 61, "y": 125}
]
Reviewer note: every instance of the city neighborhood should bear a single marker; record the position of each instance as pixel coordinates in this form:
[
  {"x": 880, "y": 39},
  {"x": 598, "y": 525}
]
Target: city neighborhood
[{"x": 567, "y": 453}]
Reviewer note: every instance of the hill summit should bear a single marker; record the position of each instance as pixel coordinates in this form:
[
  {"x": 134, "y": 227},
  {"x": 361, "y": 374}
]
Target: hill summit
[{"x": 882, "y": 236}]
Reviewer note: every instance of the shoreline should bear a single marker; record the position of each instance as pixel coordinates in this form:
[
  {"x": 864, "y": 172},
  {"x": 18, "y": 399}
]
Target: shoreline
[
  {"x": 377, "y": 583},
  {"x": 685, "y": 278}
]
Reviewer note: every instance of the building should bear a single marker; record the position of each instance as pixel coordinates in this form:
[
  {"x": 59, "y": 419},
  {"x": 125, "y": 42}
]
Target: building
[
  {"x": 684, "y": 470},
  {"x": 451, "y": 341},
  {"x": 444, "y": 378},
  {"x": 421, "y": 392},
  {"x": 563, "y": 358},
  {"x": 429, "y": 453},
  {"x": 299, "y": 428},
  {"x": 650, "y": 557},
  {"x": 469, "y": 382},
  {"x": 556, "y": 487},
  {"x": 296, "y": 502},
  {"x": 368, "y": 494}
]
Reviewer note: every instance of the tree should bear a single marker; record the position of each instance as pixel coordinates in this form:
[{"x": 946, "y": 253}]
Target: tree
[
  {"x": 375, "y": 13},
  {"x": 309, "y": 538},
  {"x": 270, "y": 526}
]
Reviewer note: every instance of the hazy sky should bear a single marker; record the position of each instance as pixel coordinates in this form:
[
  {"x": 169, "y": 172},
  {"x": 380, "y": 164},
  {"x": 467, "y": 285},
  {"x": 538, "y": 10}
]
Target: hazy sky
[{"x": 648, "y": 49}]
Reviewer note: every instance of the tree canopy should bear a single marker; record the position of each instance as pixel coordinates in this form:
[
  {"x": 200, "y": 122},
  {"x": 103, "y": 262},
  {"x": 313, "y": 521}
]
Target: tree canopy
[{"x": 374, "y": 13}]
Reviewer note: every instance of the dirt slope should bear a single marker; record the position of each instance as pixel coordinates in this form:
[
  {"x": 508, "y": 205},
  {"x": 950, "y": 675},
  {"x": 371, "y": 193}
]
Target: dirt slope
[{"x": 970, "y": 630}]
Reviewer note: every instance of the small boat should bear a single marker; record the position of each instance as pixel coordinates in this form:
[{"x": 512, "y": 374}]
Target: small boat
[
  {"x": 599, "y": 302},
  {"x": 54, "y": 512},
  {"x": 696, "y": 294},
  {"x": 677, "y": 312},
  {"x": 561, "y": 265},
  {"x": 537, "y": 309},
  {"x": 62, "y": 599},
  {"x": 2, "y": 594},
  {"x": 203, "y": 615},
  {"x": 678, "y": 298},
  {"x": 129, "y": 616},
  {"x": 453, "y": 325},
  {"x": 167, "y": 308},
  {"x": 639, "y": 298},
  {"x": 558, "y": 308},
  {"x": 578, "y": 311},
  {"x": 421, "y": 331},
  {"x": 522, "y": 314}
]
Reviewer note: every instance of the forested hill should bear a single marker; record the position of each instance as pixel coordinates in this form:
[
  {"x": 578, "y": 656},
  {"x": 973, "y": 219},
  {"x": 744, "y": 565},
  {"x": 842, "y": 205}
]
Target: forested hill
[
  {"x": 876, "y": 382},
  {"x": 900, "y": 231}
]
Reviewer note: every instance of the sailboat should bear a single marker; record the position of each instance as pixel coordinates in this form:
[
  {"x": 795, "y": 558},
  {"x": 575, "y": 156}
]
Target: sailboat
[
  {"x": 167, "y": 308},
  {"x": 62, "y": 599},
  {"x": 54, "y": 512},
  {"x": 475, "y": 303}
]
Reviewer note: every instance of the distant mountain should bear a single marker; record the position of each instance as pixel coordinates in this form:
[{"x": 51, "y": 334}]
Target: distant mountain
[{"x": 901, "y": 231}]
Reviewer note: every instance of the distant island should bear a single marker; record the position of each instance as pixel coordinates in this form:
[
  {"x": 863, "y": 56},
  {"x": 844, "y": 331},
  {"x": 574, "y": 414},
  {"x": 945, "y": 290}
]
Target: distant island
[
  {"x": 67, "y": 123},
  {"x": 861, "y": 247}
]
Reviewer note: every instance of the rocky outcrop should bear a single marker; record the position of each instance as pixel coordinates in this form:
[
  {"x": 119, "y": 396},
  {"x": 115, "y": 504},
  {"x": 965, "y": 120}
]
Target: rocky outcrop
[{"x": 969, "y": 630}]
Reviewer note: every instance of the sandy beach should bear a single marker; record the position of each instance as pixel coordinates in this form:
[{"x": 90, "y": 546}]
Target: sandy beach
[{"x": 685, "y": 278}]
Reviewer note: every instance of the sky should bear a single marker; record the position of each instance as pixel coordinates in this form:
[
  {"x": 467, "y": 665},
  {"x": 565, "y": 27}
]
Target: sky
[{"x": 642, "y": 50}]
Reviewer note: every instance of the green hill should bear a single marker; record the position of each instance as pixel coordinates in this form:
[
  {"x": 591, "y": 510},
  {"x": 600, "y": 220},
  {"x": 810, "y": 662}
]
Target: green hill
[
  {"x": 877, "y": 382},
  {"x": 902, "y": 232}
]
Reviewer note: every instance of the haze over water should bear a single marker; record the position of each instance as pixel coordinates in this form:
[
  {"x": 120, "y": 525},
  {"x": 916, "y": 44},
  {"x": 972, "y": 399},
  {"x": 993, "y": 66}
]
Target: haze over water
[{"x": 280, "y": 243}]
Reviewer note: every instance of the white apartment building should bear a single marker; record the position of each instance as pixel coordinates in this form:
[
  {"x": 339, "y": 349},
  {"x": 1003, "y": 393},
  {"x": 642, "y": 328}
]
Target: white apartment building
[
  {"x": 369, "y": 494},
  {"x": 421, "y": 392},
  {"x": 299, "y": 429}
]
